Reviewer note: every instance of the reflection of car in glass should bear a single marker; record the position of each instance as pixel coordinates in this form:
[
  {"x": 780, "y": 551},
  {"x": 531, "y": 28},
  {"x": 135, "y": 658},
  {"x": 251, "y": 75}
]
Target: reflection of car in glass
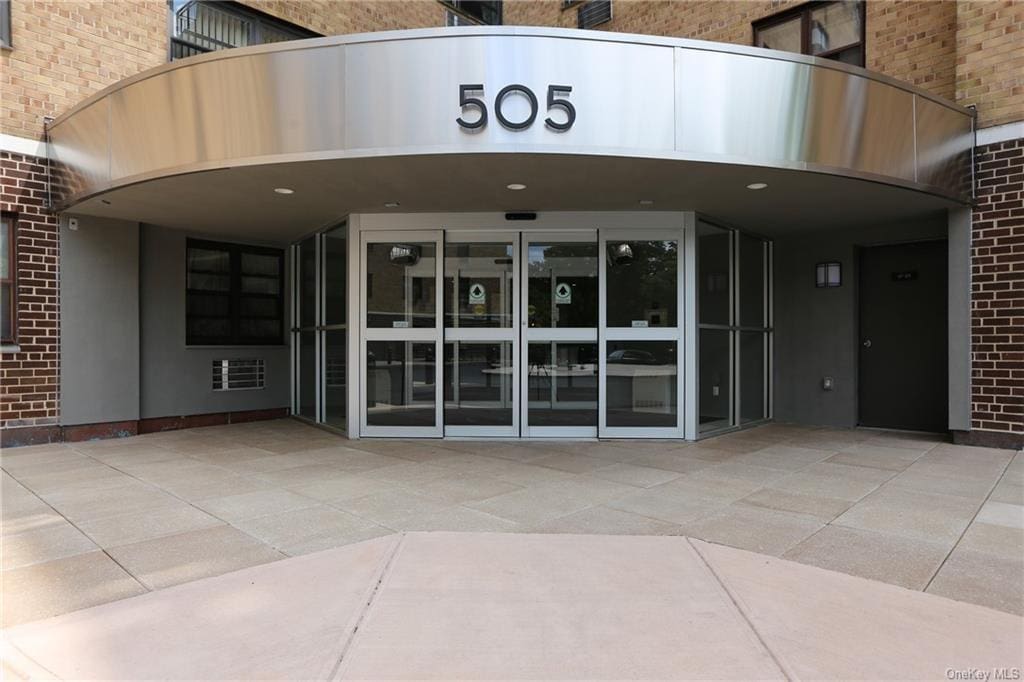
[{"x": 632, "y": 357}]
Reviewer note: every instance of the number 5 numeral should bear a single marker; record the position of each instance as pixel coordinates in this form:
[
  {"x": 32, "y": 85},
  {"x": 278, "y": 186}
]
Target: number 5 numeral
[
  {"x": 570, "y": 110},
  {"x": 472, "y": 102}
]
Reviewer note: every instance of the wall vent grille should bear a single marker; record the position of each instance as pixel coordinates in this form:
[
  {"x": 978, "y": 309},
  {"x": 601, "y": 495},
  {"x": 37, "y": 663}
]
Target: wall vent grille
[
  {"x": 594, "y": 13},
  {"x": 238, "y": 374}
]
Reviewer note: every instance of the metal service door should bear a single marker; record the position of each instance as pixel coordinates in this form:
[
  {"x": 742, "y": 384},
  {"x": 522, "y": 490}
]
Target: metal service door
[{"x": 903, "y": 371}]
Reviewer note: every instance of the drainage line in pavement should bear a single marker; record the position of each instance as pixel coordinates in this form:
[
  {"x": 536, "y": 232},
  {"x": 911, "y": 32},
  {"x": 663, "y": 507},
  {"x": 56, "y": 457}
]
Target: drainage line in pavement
[{"x": 385, "y": 570}]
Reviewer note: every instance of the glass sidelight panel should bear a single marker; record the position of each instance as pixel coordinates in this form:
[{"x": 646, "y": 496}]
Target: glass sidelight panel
[
  {"x": 336, "y": 276},
  {"x": 714, "y": 274},
  {"x": 478, "y": 384},
  {"x": 642, "y": 383},
  {"x": 400, "y": 285},
  {"x": 643, "y": 283},
  {"x": 752, "y": 354},
  {"x": 715, "y": 372},
  {"x": 335, "y": 388},
  {"x": 307, "y": 283},
  {"x": 478, "y": 284},
  {"x": 562, "y": 384},
  {"x": 562, "y": 284},
  {"x": 751, "y": 281},
  {"x": 307, "y": 374},
  {"x": 401, "y": 380}
]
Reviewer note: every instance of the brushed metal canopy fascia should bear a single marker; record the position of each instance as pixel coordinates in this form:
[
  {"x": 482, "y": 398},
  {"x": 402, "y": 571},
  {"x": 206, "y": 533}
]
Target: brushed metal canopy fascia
[{"x": 396, "y": 94}]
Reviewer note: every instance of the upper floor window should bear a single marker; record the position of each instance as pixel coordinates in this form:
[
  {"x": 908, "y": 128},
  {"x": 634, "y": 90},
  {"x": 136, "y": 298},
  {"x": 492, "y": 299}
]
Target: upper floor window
[
  {"x": 204, "y": 26},
  {"x": 8, "y": 280},
  {"x": 5, "y": 23},
  {"x": 472, "y": 12},
  {"x": 833, "y": 30},
  {"x": 234, "y": 295}
]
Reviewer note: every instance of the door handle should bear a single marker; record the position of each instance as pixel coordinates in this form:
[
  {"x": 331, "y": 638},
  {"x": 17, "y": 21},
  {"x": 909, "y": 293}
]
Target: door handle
[{"x": 867, "y": 343}]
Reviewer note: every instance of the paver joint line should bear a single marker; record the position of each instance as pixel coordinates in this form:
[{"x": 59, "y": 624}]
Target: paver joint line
[
  {"x": 784, "y": 668},
  {"x": 384, "y": 572},
  {"x": 969, "y": 524}
]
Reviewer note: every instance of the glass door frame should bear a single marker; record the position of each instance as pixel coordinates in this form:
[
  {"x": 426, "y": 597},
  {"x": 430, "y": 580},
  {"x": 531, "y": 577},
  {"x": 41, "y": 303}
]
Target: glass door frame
[
  {"x": 674, "y": 334},
  {"x": 297, "y": 330},
  {"x": 552, "y": 334},
  {"x": 487, "y": 334},
  {"x": 424, "y": 335}
]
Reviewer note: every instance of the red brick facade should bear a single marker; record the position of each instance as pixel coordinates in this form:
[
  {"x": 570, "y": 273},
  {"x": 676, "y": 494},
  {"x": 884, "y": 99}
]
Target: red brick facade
[
  {"x": 997, "y": 297},
  {"x": 30, "y": 376}
]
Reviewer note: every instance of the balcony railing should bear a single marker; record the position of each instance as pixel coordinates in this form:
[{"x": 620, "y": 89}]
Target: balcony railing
[{"x": 201, "y": 26}]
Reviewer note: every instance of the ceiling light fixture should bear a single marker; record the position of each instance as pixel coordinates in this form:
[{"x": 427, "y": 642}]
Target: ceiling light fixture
[
  {"x": 516, "y": 186},
  {"x": 757, "y": 185},
  {"x": 646, "y": 202},
  {"x": 284, "y": 190},
  {"x": 391, "y": 204}
]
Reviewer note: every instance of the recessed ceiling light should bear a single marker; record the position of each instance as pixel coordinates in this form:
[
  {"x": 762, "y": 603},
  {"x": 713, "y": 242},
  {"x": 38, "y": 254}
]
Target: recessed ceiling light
[
  {"x": 647, "y": 202},
  {"x": 284, "y": 190},
  {"x": 757, "y": 185},
  {"x": 391, "y": 204},
  {"x": 516, "y": 186}
]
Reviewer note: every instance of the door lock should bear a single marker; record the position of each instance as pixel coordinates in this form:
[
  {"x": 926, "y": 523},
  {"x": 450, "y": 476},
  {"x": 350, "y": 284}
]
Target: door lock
[{"x": 867, "y": 343}]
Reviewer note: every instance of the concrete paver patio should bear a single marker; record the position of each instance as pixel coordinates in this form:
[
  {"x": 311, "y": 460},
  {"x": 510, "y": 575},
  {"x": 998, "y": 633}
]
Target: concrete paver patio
[
  {"x": 523, "y": 606},
  {"x": 89, "y": 523}
]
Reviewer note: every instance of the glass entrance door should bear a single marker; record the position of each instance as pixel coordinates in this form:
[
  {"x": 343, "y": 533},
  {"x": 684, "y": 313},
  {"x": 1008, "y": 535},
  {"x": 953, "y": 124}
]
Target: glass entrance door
[
  {"x": 559, "y": 347},
  {"x": 401, "y": 341},
  {"x": 481, "y": 330}
]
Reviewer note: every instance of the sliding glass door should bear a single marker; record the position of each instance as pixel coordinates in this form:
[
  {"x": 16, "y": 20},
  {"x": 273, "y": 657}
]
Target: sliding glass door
[
  {"x": 559, "y": 349},
  {"x": 481, "y": 331},
  {"x": 401, "y": 340}
]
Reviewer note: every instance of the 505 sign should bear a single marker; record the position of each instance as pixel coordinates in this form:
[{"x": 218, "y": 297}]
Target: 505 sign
[{"x": 556, "y": 100}]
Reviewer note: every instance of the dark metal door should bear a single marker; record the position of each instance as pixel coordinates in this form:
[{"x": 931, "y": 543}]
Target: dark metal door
[{"x": 903, "y": 336}]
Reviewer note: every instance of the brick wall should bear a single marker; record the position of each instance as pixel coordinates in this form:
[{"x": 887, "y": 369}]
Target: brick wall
[
  {"x": 65, "y": 51},
  {"x": 29, "y": 378},
  {"x": 331, "y": 17},
  {"x": 997, "y": 299},
  {"x": 915, "y": 41},
  {"x": 990, "y": 59}
]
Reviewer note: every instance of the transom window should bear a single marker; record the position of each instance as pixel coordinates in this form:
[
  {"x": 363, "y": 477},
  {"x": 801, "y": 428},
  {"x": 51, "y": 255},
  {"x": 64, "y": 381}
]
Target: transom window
[
  {"x": 832, "y": 30},
  {"x": 234, "y": 294},
  {"x": 202, "y": 26}
]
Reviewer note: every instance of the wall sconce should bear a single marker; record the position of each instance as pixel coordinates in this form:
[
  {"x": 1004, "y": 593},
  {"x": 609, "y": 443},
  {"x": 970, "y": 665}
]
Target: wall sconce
[{"x": 828, "y": 275}]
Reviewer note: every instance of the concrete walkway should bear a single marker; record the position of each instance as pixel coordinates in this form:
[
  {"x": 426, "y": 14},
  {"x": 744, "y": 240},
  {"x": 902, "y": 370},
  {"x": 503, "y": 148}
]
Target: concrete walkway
[
  {"x": 83, "y": 524},
  {"x": 525, "y": 606}
]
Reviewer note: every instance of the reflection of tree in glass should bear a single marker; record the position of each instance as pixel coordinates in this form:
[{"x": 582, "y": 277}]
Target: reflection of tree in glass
[
  {"x": 646, "y": 283},
  {"x": 551, "y": 264}
]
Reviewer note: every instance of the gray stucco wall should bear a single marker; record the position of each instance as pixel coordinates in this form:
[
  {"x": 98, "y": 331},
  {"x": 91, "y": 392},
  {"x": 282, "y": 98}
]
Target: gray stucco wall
[
  {"x": 176, "y": 379},
  {"x": 816, "y": 330},
  {"x": 99, "y": 301}
]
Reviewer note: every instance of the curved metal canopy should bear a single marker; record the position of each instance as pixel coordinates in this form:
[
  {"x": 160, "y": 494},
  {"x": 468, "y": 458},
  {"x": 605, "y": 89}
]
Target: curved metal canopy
[{"x": 333, "y": 111}]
